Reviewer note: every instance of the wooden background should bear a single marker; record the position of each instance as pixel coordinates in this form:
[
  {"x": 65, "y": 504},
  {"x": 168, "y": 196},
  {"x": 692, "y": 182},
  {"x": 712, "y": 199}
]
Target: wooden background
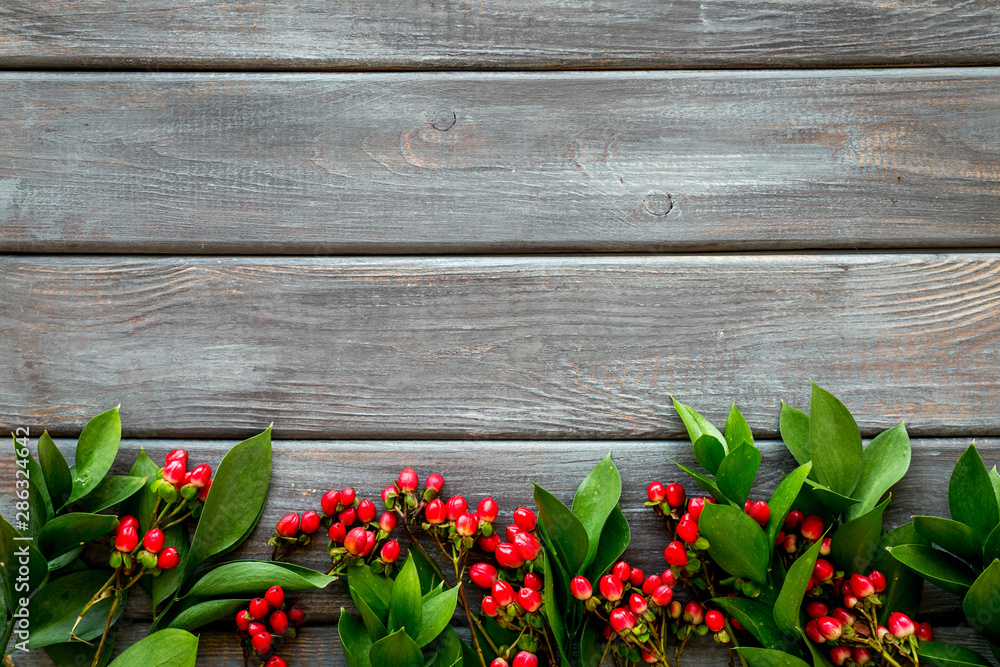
[{"x": 462, "y": 236}]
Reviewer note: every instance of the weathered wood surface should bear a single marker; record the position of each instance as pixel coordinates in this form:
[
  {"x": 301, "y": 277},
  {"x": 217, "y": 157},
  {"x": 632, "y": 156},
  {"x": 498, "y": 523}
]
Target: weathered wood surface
[
  {"x": 495, "y": 34},
  {"x": 527, "y": 347},
  {"x": 463, "y": 162},
  {"x": 303, "y": 470}
]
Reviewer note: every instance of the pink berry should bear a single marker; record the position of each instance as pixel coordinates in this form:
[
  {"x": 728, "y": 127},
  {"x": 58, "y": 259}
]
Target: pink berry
[
  {"x": 310, "y": 522},
  {"x": 288, "y": 525},
  {"x": 525, "y": 519},
  {"x": 435, "y": 482},
  {"x": 611, "y": 587},
  {"x": 622, "y": 619},
  {"x": 347, "y": 496},
  {"x": 200, "y": 475},
  {"x": 456, "y": 506},
  {"x": 329, "y": 502},
  {"x": 390, "y": 552},
  {"x": 408, "y": 480},
  {"x": 581, "y": 589},
  {"x": 435, "y": 512},
  {"x": 483, "y": 575},
  {"x": 676, "y": 554},
  {"x": 656, "y": 492},
  {"x": 502, "y": 593}
]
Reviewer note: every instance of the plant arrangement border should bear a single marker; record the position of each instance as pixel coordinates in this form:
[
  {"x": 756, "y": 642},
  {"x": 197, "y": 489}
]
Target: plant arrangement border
[{"x": 807, "y": 576}]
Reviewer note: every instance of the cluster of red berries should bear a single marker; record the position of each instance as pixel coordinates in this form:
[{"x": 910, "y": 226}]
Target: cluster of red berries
[
  {"x": 671, "y": 502},
  {"x": 801, "y": 532},
  {"x": 175, "y": 482},
  {"x": 152, "y": 557},
  {"x": 264, "y": 624}
]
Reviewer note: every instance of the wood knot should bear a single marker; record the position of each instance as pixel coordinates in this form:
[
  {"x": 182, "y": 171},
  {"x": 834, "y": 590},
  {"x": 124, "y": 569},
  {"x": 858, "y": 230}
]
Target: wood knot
[
  {"x": 658, "y": 203},
  {"x": 443, "y": 120}
]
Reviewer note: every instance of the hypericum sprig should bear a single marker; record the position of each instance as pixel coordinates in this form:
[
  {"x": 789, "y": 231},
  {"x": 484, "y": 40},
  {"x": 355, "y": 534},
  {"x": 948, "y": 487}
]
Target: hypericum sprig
[{"x": 264, "y": 626}]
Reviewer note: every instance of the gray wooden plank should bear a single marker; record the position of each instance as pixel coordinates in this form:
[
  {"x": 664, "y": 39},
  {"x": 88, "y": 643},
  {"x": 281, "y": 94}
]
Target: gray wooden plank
[
  {"x": 495, "y": 34},
  {"x": 501, "y": 162},
  {"x": 528, "y": 347},
  {"x": 303, "y": 470}
]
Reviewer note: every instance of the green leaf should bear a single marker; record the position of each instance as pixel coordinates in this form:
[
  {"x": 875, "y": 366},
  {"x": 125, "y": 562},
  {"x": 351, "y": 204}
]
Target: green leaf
[
  {"x": 396, "y": 650},
  {"x": 591, "y": 645},
  {"x": 995, "y": 480},
  {"x": 111, "y": 491},
  {"x": 738, "y": 545},
  {"x": 834, "y": 442},
  {"x": 903, "y": 586},
  {"x": 166, "y": 648},
  {"x": 232, "y": 507},
  {"x": 756, "y": 617},
  {"x": 971, "y": 497},
  {"x": 855, "y": 543},
  {"x": 705, "y": 483},
  {"x": 794, "y": 429},
  {"x": 55, "y": 469},
  {"x": 709, "y": 444},
  {"x": 833, "y": 501},
  {"x": 982, "y": 602},
  {"x": 789, "y": 603},
  {"x": 247, "y": 578},
  {"x": 737, "y": 429},
  {"x": 376, "y": 589},
  {"x": 737, "y": 472},
  {"x": 39, "y": 504},
  {"x": 551, "y": 607},
  {"x": 936, "y": 566},
  {"x": 447, "y": 650},
  {"x": 942, "y": 654},
  {"x": 429, "y": 578},
  {"x": 763, "y": 657},
  {"x": 435, "y": 615},
  {"x": 783, "y": 497},
  {"x": 76, "y": 654},
  {"x": 886, "y": 459},
  {"x": 354, "y": 639},
  {"x": 12, "y": 545},
  {"x": 614, "y": 540},
  {"x": 991, "y": 550},
  {"x": 404, "y": 607},
  {"x": 595, "y": 498},
  {"x": 568, "y": 536},
  {"x": 374, "y": 624},
  {"x": 71, "y": 531},
  {"x": 95, "y": 452},
  {"x": 203, "y": 613},
  {"x": 951, "y": 536},
  {"x": 55, "y": 607}
]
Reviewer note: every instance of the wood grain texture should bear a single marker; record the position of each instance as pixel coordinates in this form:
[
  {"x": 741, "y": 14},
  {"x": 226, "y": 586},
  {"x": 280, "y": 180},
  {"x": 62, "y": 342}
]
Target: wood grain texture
[
  {"x": 461, "y": 162},
  {"x": 304, "y": 470},
  {"x": 495, "y": 34},
  {"x": 527, "y": 347}
]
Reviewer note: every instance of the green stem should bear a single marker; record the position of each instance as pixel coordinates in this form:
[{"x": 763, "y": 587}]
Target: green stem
[
  {"x": 468, "y": 614},
  {"x": 174, "y": 523},
  {"x": 107, "y": 626},
  {"x": 8, "y": 631}
]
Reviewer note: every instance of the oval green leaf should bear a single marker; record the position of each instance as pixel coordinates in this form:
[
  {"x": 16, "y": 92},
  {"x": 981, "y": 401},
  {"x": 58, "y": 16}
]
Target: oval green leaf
[
  {"x": 203, "y": 613},
  {"x": 794, "y": 428},
  {"x": 856, "y": 542},
  {"x": 903, "y": 586},
  {"x": 936, "y": 566},
  {"x": 595, "y": 498},
  {"x": 567, "y": 535},
  {"x": 756, "y": 617},
  {"x": 405, "y": 610},
  {"x": 614, "y": 540},
  {"x": 783, "y": 497},
  {"x": 737, "y": 472},
  {"x": 971, "y": 497},
  {"x": 12, "y": 545},
  {"x": 376, "y": 589},
  {"x": 737, "y": 429},
  {"x": 77, "y": 654},
  {"x": 886, "y": 459},
  {"x": 787, "y": 608},
  {"x": 833, "y": 501},
  {"x": 709, "y": 443},
  {"x": 55, "y": 607},
  {"x": 249, "y": 577},
  {"x": 705, "y": 483},
  {"x": 762, "y": 657},
  {"x": 71, "y": 531},
  {"x": 39, "y": 504},
  {"x": 112, "y": 490},
  {"x": 354, "y": 639},
  {"x": 834, "y": 442},
  {"x": 991, "y": 550},
  {"x": 57, "y": 476},
  {"x": 396, "y": 650},
  {"x": 941, "y": 654},
  {"x": 982, "y": 602},
  {"x": 951, "y": 536},
  {"x": 435, "y": 615},
  {"x": 550, "y": 607},
  {"x": 737, "y": 544},
  {"x": 95, "y": 452},
  {"x": 166, "y": 648}
]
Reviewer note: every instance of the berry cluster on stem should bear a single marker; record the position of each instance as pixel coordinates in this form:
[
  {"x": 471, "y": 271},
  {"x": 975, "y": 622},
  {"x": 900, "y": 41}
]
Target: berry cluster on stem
[{"x": 265, "y": 624}]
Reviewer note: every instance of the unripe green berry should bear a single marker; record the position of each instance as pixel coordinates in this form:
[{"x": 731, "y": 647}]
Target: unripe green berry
[
  {"x": 167, "y": 492},
  {"x": 189, "y": 491}
]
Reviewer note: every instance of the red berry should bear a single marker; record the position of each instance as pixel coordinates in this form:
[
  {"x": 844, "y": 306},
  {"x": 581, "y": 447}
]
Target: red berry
[
  {"x": 622, "y": 571},
  {"x": 262, "y": 642},
  {"x": 168, "y": 559},
  {"x": 366, "y": 511},
  {"x": 649, "y": 658},
  {"x": 525, "y": 519},
  {"x": 370, "y": 541},
  {"x": 527, "y": 545},
  {"x": 125, "y": 521},
  {"x": 483, "y": 575},
  {"x": 489, "y": 543},
  {"x": 525, "y": 659},
  {"x": 850, "y": 601},
  {"x": 675, "y": 610},
  {"x": 650, "y": 584},
  {"x": 278, "y": 622},
  {"x": 636, "y": 577},
  {"x": 255, "y": 628},
  {"x": 637, "y": 604},
  {"x": 456, "y": 506},
  {"x": 611, "y": 587},
  {"x": 511, "y": 531},
  {"x": 715, "y": 620},
  {"x": 203, "y": 493},
  {"x": 825, "y": 547},
  {"x": 695, "y": 507},
  {"x": 675, "y": 495},
  {"x": 243, "y": 619},
  {"x": 153, "y": 541},
  {"x": 687, "y": 531},
  {"x": 878, "y": 580},
  {"x": 329, "y": 502},
  {"x": 390, "y": 490},
  {"x": 779, "y": 538},
  {"x": 408, "y": 480},
  {"x": 390, "y": 552},
  {"x": 663, "y": 595},
  {"x": 387, "y": 522},
  {"x": 490, "y": 607},
  {"x": 656, "y": 492},
  {"x": 622, "y": 619},
  {"x": 503, "y": 593},
  {"x": 347, "y": 496},
  {"x": 581, "y": 589},
  {"x": 347, "y": 516},
  {"x": 310, "y": 522},
  {"x": 288, "y": 525},
  {"x": 676, "y": 554},
  {"x": 507, "y": 555},
  {"x": 533, "y": 580},
  {"x": 861, "y": 586},
  {"x": 829, "y": 628},
  {"x": 259, "y": 608},
  {"x": 356, "y": 541},
  {"x": 275, "y": 596},
  {"x": 337, "y": 532},
  {"x": 275, "y": 661},
  {"x": 862, "y": 656},
  {"x": 529, "y": 599},
  {"x": 467, "y": 524},
  {"x": 668, "y": 578},
  {"x": 176, "y": 455},
  {"x": 127, "y": 539},
  {"x": 435, "y": 512},
  {"x": 844, "y": 616},
  {"x": 488, "y": 510},
  {"x": 200, "y": 475},
  {"x": 793, "y": 519},
  {"x": 296, "y": 616},
  {"x": 435, "y": 482},
  {"x": 760, "y": 513},
  {"x": 812, "y": 631},
  {"x": 925, "y": 632},
  {"x": 840, "y": 655},
  {"x": 901, "y": 626},
  {"x": 499, "y": 662},
  {"x": 823, "y": 570},
  {"x": 174, "y": 472},
  {"x": 816, "y": 609},
  {"x": 811, "y": 528},
  {"x": 694, "y": 613}
]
